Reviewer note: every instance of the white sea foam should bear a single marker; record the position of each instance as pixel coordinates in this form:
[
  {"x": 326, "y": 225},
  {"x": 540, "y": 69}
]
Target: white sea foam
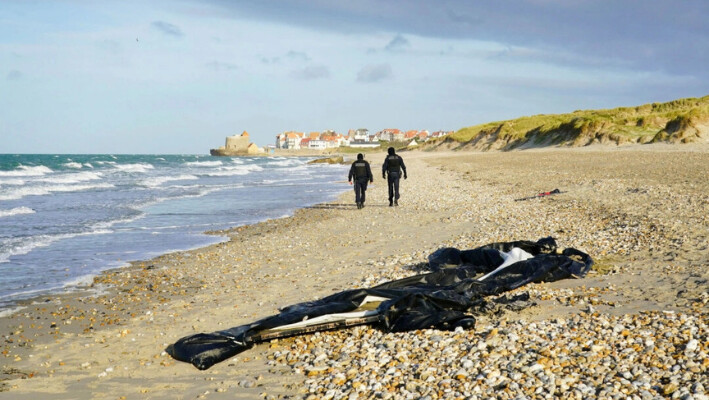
[
  {"x": 102, "y": 227},
  {"x": 23, "y": 170},
  {"x": 10, "y": 311},
  {"x": 73, "y": 178},
  {"x": 286, "y": 162},
  {"x": 200, "y": 191},
  {"x": 16, "y": 211},
  {"x": 301, "y": 167},
  {"x": 12, "y": 181},
  {"x": 73, "y": 164},
  {"x": 296, "y": 171},
  {"x": 80, "y": 281},
  {"x": 288, "y": 179},
  {"x": 275, "y": 181},
  {"x": 204, "y": 163},
  {"x": 139, "y": 167},
  {"x": 88, "y": 165},
  {"x": 24, "y": 294},
  {"x": 45, "y": 190},
  {"x": 22, "y": 245},
  {"x": 235, "y": 170},
  {"x": 159, "y": 180}
]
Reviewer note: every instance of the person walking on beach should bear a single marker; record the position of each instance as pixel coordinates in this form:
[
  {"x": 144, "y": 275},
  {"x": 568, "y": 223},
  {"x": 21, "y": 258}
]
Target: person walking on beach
[
  {"x": 361, "y": 172},
  {"x": 393, "y": 165}
]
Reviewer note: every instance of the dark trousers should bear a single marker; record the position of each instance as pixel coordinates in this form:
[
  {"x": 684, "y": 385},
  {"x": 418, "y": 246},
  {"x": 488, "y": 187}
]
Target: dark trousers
[
  {"x": 360, "y": 188},
  {"x": 393, "y": 181}
]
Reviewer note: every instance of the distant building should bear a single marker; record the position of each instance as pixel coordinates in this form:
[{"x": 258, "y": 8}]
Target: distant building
[
  {"x": 387, "y": 135},
  {"x": 252, "y": 148},
  {"x": 438, "y": 134},
  {"x": 293, "y": 140},
  {"x": 236, "y": 145},
  {"x": 289, "y": 140},
  {"x": 317, "y": 144},
  {"x": 330, "y": 141},
  {"x": 364, "y": 145},
  {"x": 329, "y": 132},
  {"x": 361, "y": 134},
  {"x": 280, "y": 141}
]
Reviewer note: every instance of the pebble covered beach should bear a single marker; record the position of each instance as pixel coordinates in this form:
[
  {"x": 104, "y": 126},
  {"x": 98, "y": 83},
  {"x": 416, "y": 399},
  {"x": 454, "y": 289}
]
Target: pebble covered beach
[{"x": 636, "y": 327}]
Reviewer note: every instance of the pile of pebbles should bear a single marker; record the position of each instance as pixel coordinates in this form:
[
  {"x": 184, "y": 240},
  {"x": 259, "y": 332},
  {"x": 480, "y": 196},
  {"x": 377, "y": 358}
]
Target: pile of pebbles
[{"x": 645, "y": 356}]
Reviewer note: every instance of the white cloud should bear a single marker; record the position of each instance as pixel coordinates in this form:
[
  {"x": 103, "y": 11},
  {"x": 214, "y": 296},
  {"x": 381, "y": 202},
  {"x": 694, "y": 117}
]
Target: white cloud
[
  {"x": 297, "y": 56},
  {"x": 311, "y": 72},
  {"x": 168, "y": 28},
  {"x": 222, "y": 66},
  {"x": 398, "y": 43},
  {"x": 14, "y": 75},
  {"x": 375, "y": 73}
]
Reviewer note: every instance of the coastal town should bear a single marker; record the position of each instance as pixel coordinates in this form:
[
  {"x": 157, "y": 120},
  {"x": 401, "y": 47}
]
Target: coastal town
[
  {"x": 328, "y": 139},
  {"x": 355, "y": 138}
]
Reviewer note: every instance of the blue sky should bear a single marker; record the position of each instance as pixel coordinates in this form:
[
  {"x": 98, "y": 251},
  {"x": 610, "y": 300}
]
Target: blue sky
[{"x": 179, "y": 76}]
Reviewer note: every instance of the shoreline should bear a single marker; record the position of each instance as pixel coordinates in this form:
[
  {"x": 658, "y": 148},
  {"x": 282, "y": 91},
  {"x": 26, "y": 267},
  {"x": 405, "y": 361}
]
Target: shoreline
[
  {"x": 81, "y": 285},
  {"x": 100, "y": 283},
  {"x": 114, "y": 345}
]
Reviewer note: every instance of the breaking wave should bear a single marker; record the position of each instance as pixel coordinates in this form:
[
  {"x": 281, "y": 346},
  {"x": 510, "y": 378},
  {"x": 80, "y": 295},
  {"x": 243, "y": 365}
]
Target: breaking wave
[
  {"x": 159, "y": 180},
  {"x": 139, "y": 167},
  {"x": 23, "y": 170},
  {"x": 12, "y": 181},
  {"x": 16, "y": 211},
  {"x": 73, "y": 164},
  {"x": 23, "y": 245},
  {"x": 235, "y": 170},
  {"x": 73, "y": 178},
  {"x": 204, "y": 163},
  {"x": 45, "y": 190},
  {"x": 286, "y": 163},
  {"x": 80, "y": 281}
]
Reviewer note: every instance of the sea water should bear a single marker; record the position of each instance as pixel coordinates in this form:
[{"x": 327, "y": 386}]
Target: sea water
[{"x": 65, "y": 218}]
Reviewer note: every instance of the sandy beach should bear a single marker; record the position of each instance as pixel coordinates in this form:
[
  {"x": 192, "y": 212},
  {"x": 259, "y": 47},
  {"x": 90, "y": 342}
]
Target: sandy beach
[{"x": 637, "y": 325}]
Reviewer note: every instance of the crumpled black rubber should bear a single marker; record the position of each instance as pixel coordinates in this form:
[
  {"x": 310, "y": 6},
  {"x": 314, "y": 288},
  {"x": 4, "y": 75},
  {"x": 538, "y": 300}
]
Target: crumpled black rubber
[{"x": 442, "y": 299}]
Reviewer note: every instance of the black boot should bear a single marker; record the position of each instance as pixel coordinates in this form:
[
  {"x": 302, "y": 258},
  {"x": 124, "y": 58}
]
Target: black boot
[
  {"x": 396, "y": 202},
  {"x": 390, "y": 203}
]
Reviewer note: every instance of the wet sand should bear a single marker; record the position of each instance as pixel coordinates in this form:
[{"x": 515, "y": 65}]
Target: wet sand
[{"x": 639, "y": 211}]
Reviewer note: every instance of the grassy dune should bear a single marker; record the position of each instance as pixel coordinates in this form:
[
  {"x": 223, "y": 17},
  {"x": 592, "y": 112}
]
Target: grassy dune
[{"x": 678, "y": 121}]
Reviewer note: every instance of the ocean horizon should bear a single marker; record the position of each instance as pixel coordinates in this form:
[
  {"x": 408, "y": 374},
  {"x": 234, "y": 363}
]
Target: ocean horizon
[{"x": 64, "y": 218}]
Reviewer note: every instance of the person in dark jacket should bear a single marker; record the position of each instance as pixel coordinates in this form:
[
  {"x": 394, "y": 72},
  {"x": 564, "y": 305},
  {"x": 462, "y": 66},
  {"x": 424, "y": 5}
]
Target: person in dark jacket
[
  {"x": 362, "y": 173},
  {"x": 393, "y": 165}
]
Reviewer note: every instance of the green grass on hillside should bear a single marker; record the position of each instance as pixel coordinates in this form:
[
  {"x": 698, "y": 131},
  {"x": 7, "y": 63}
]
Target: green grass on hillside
[{"x": 641, "y": 124}]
